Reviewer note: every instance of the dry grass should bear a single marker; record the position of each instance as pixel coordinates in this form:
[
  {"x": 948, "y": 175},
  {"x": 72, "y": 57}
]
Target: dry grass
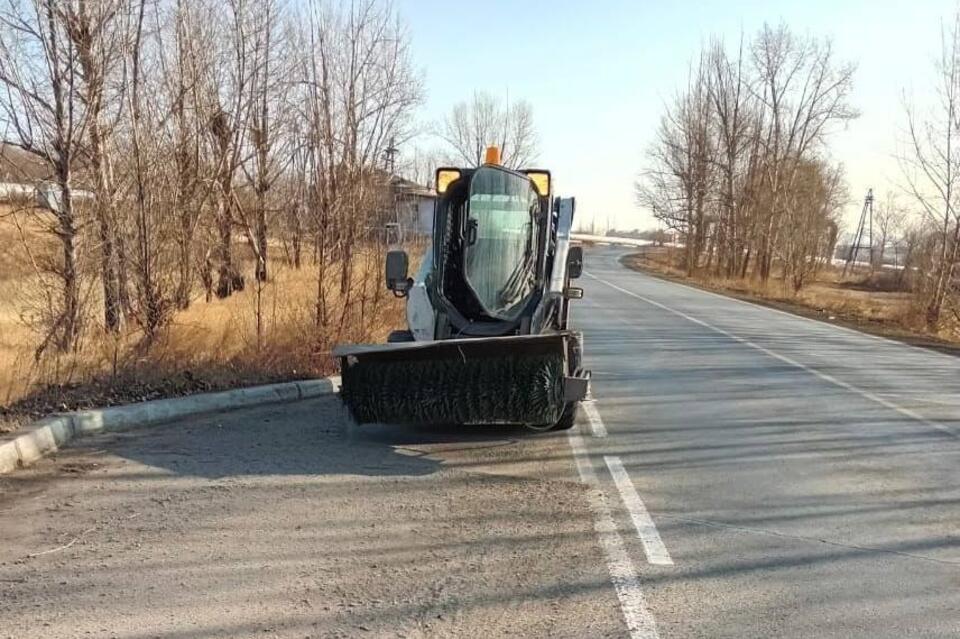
[
  {"x": 873, "y": 303},
  {"x": 206, "y": 347}
]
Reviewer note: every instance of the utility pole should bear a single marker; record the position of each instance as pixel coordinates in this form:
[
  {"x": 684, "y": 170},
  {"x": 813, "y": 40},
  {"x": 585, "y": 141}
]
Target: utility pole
[
  {"x": 390, "y": 158},
  {"x": 394, "y": 226},
  {"x": 865, "y": 226}
]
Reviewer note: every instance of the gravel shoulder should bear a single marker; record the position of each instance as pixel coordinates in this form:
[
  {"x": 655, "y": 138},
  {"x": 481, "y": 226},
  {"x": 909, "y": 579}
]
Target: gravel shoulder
[{"x": 289, "y": 521}]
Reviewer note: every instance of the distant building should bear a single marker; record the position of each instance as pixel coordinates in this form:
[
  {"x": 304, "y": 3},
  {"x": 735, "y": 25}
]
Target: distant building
[
  {"x": 413, "y": 206},
  {"x": 20, "y": 172},
  {"x": 26, "y": 178}
]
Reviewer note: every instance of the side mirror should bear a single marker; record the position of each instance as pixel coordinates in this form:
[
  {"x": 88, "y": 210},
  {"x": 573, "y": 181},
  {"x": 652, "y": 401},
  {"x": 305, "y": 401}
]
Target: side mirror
[
  {"x": 575, "y": 262},
  {"x": 397, "y": 279}
]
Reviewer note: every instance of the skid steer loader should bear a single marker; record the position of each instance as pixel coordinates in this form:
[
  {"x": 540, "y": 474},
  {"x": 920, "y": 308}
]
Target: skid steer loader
[{"x": 488, "y": 340}]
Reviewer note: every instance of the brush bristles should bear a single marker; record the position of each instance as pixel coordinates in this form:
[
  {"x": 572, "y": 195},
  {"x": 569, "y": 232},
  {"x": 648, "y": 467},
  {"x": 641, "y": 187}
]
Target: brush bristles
[{"x": 490, "y": 390}]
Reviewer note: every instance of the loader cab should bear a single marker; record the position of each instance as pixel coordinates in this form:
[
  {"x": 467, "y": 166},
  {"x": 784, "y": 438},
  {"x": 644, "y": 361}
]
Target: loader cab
[{"x": 490, "y": 233}]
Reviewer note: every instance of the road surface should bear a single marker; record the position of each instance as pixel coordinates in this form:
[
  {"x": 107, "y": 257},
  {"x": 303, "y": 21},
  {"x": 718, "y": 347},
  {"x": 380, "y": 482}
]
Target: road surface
[
  {"x": 804, "y": 478},
  {"x": 741, "y": 473}
]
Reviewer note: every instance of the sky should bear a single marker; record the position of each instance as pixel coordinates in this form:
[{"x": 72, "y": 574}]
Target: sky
[{"x": 599, "y": 74}]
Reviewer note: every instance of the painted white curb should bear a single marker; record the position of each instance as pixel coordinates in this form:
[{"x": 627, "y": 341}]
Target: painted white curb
[{"x": 50, "y": 434}]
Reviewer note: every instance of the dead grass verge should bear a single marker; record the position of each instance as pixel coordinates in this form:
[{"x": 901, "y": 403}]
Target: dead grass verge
[{"x": 209, "y": 346}]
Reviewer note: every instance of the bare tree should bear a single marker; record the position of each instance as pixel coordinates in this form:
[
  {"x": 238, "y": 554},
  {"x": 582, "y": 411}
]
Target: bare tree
[
  {"x": 226, "y": 108},
  {"x": 914, "y": 235},
  {"x": 40, "y": 69},
  {"x": 931, "y": 167},
  {"x": 152, "y": 305},
  {"x": 421, "y": 165},
  {"x": 269, "y": 153},
  {"x": 809, "y": 226},
  {"x": 803, "y": 93},
  {"x": 97, "y": 31},
  {"x": 680, "y": 181},
  {"x": 183, "y": 67},
  {"x": 359, "y": 89},
  {"x": 486, "y": 120},
  {"x": 888, "y": 224},
  {"x": 735, "y": 123}
]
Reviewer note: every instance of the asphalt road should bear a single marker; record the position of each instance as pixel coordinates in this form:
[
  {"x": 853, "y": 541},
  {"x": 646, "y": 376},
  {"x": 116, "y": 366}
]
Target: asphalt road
[
  {"x": 804, "y": 478},
  {"x": 288, "y": 521},
  {"x": 741, "y": 473}
]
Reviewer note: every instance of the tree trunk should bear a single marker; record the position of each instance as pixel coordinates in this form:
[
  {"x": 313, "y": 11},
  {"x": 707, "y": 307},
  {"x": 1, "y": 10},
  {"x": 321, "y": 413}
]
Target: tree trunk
[
  {"x": 261, "y": 238},
  {"x": 185, "y": 266},
  {"x": 123, "y": 264},
  {"x": 69, "y": 322},
  {"x": 109, "y": 267},
  {"x": 108, "y": 272},
  {"x": 228, "y": 279},
  {"x": 297, "y": 242},
  {"x": 71, "y": 296}
]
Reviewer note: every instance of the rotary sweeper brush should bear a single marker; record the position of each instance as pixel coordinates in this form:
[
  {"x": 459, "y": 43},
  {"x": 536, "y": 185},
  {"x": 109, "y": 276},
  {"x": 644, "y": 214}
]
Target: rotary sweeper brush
[{"x": 488, "y": 339}]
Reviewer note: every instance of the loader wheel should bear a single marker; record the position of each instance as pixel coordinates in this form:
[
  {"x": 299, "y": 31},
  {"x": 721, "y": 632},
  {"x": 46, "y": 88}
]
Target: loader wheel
[{"x": 568, "y": 418}]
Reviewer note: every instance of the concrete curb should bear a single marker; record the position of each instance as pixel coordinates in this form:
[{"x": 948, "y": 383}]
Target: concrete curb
[{"x": 51, "y": 433}]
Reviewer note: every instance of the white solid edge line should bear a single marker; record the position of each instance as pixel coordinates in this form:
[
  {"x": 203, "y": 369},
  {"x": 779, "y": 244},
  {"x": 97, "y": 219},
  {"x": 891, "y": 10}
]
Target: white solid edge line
[
  {"x": 906, "y": 412},
  {"x": 646, "y": 530},
  {"x": 597, "y": 427},
  {"x": 623, "y": 574}
]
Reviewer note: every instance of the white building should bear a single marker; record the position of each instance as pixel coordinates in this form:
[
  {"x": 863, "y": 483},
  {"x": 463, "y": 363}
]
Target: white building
[{"x": 414, "y": 207}]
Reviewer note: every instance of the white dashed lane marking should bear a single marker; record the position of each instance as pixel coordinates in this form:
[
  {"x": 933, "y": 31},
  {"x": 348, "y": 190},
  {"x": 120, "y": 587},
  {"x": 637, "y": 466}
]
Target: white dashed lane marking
[
  {"x": 646, "y": 530},
  {"x": 623, "y": 574}
]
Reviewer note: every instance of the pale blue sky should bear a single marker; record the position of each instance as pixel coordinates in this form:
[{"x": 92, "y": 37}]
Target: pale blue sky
[{"x": 598, "y": 74}]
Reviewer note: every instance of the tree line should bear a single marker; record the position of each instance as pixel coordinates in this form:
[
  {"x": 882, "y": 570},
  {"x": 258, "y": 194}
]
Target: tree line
[
  {"x": 739, "y": 165},
  {"x": 740, "y": 168},
  {"x": 170, "y": 131}
]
